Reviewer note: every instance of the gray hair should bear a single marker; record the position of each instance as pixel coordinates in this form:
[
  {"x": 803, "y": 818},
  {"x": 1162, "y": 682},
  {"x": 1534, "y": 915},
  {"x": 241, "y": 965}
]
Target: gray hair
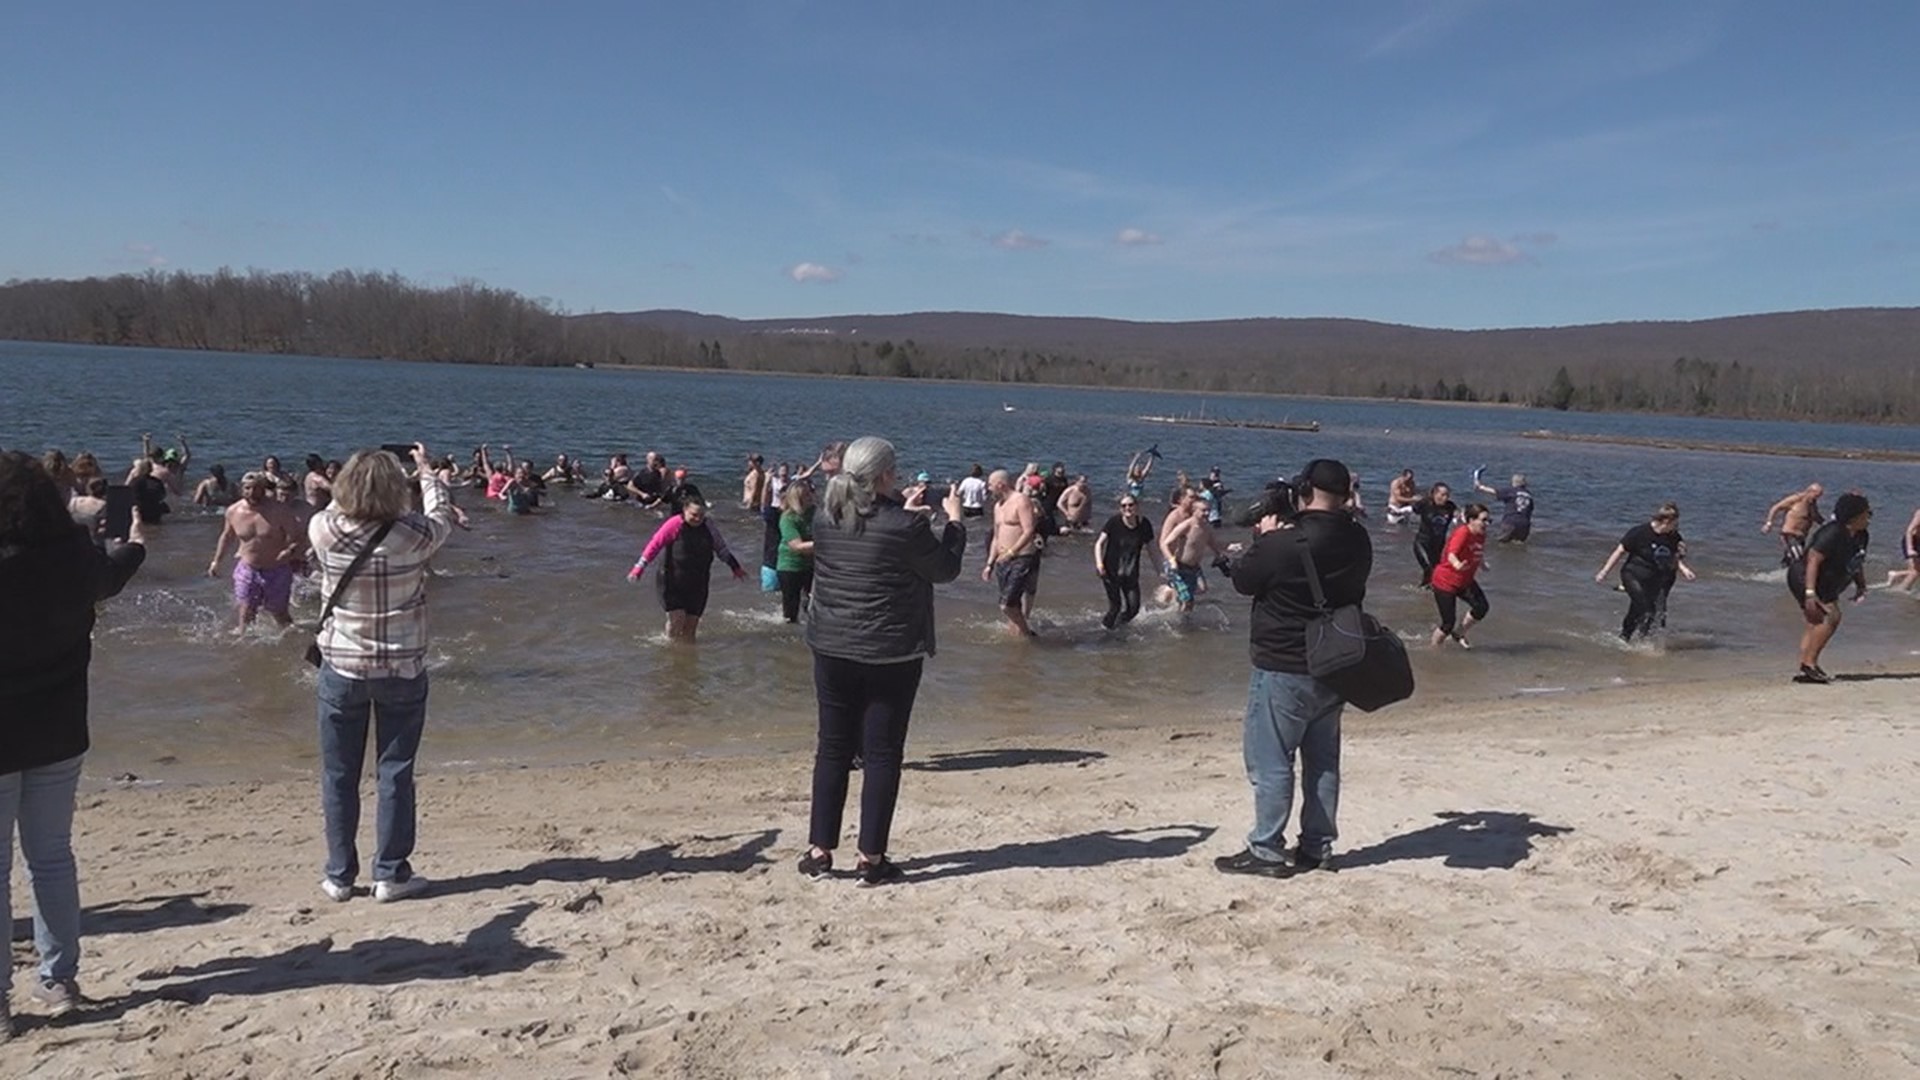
[{"x": 853, "y": 488}]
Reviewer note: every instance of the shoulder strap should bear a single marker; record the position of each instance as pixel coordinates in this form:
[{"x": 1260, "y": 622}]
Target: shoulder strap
[
  {"x": 1313, "y": 572},
  {"x": 353, "y": 568}
]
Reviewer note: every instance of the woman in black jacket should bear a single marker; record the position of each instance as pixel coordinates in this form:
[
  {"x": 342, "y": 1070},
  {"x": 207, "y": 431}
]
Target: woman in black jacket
[
  {"x": 51, "y": 575},
  {"x": 870, "y": 626}
]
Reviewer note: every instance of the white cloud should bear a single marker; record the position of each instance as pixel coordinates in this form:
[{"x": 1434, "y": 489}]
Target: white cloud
[
  {"x": 1480, "y": 251},
  {"x": 813, "y": 272},
  {"x": 1132, "y": 237},
  {"x": 1016, "y": 240},
  {"x": 145, "y": 255}
]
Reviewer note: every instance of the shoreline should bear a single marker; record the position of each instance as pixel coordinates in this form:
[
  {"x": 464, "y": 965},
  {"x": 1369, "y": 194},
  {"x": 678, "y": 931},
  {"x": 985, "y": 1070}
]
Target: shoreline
[{"x": 1607, "y": 885}]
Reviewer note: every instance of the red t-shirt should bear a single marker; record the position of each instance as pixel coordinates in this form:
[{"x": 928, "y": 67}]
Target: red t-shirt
[{"x": 1466, "y": 547}]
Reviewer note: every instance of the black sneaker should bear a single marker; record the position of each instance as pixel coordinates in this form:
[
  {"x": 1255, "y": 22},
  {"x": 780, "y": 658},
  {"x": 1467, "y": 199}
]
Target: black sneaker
[
  {"x": 881, "y": 871},
  {"x": 816, "y": 866},
  {"x": 1812, "y": 674},
  {"x": 1304, "y": 861},
  {"x": 1246, "y": 862}
]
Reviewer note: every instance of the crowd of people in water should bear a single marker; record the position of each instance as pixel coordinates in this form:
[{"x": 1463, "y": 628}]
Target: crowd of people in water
[{"x": 268, "y": 509}]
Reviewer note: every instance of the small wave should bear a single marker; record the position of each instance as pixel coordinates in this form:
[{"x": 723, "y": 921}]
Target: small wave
[{"x": 1775, "y": 576}]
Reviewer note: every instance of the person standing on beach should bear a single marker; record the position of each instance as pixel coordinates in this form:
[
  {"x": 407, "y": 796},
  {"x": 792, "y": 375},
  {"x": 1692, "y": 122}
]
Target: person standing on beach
[
  {"x": 52, "y": 575},
  {"x": 1290, "y": 713},
  {"x": 1903, "y": 578},
  {"x": 871, "y": 629},
  {"x": 1516, "y": 524},
  {"x": 1013, "y": 552},
  {"x": 1455, "y": 577},
  {"x": 1835, "y": 555},
  {"x": 1799, "y": 515},
  {"x": 1649, "y": 557},
  {"x": 1435, "y": 513},
  {"x": 685, "y": 545},
  {"x": 269, "y": 539},
  {"x": 1116, "y": 560},
  {"x": 373, "y": 665}
]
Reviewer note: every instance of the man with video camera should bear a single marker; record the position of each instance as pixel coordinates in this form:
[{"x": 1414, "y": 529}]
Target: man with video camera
[{"x": 1289, "y": 712}]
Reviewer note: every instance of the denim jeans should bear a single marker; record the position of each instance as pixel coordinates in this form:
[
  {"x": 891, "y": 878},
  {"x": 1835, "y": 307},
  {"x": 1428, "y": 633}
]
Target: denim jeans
[
  {"x": 399, "y": 711},
  {"x": 864, "y": 709},
  {"x": 1288, "y": 715},
  {"x": 41, "y": 801}
]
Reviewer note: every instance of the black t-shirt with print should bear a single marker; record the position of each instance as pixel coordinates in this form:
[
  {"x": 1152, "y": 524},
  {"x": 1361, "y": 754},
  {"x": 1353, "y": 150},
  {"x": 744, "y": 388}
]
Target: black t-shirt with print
[{"x": 1652, "y": 554}]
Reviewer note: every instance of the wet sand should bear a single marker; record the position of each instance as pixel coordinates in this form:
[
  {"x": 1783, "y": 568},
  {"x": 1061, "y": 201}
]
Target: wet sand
[{"x": 1716, "y": 883}]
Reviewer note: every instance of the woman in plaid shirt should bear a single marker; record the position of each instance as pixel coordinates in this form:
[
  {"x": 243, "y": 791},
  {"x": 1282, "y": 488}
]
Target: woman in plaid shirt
[{"x": 374, "y": 648}]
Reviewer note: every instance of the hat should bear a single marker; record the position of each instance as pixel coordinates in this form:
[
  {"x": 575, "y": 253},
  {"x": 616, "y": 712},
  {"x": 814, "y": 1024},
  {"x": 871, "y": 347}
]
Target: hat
[
  {"x": 170, "y": 456},
  {"x": 921, "y": 477},
  {"x": 1035, "y": 482},
  {"x": 679, "y": 474},
  {"x": 1329, "y": 476}
]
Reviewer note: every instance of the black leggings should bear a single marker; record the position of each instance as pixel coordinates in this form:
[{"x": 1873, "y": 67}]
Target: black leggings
[
  {"x": 770, "y": 539},
  {"x": 794, "y": 587},
  {"x": 1123, "y": 599},
  {"x": 1646, "y": 604},
  {"x": 864, "y": 710},
  {"x": 1447, "y": 603},
  {"x": 1427, "y": 554}
]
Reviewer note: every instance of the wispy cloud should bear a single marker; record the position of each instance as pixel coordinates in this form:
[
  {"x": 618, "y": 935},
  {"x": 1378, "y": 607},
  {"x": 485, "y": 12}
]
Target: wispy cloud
[
  {"x": 1430, "y": 20},
  {"x": 1480, "y": 251},
  {"x": 813, "y": 273},
  {"x": 1017, "y": 240},
  {"x": 679, "y": 201},
  {"x": 144, "y": 255},
  {"x": 1132, "y": 237}
]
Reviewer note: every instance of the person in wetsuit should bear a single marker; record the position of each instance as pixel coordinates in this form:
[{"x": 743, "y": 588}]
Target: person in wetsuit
[
  {"x": 1650, "y": 557},
  {"x": 1435, "y": 515},
  {"x": 1116, "y": 559},
  {"x": 685, "y": 545}
]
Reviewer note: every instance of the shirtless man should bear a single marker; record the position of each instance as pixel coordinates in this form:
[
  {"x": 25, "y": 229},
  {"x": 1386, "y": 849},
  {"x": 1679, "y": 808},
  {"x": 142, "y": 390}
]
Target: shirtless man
[
  {"x": 1013, "y": 551},
  {"x": 1402, "y": 493},
  {"x": 753, "y": 486},
  {"x": 1802, "y": 510},
  {"x": 269, "y": 539},
  {"x": 1076, "y": 505},
  {"x": 168, "y": 465},
  {"x": 1185, "y": 542}
]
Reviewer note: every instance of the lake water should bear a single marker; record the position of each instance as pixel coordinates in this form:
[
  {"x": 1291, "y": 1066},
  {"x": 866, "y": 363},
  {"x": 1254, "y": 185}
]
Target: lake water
[{"x": 543, "y": 652}]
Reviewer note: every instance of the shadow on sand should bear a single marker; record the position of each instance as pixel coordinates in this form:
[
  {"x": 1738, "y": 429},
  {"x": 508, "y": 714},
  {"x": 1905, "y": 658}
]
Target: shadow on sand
[
  {"x": 972, "y": 760},
  {"x": 1099, "y": 848},
  {"x": 657, "y": 860},
  {"x": 1465, "y": 840},
  {"x": 143, "y": 915}
]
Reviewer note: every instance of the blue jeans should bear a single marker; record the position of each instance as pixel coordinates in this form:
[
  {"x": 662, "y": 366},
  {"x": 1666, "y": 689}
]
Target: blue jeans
[
  {"x": 41, "y": 801},
  {"x": 1288, "y": 715},
  {"x": 399, "y": 710}
]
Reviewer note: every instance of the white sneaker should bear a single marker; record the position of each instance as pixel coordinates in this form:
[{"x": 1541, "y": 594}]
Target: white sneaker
[
  {"x": 335, "y": 891},
  {"x": 387, "y": 891}
]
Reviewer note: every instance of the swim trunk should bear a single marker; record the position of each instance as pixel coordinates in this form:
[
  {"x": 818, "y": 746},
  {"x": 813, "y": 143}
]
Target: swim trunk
[
  {"x": 1018, "y": 576},
  {"x": 254, "y": 588},
  {"x": 1185, "y": 580},
  {"x": 1793, "y": 548},
  {"x": 973, "y": 511},
  {"x": 1399, "y": 515}
]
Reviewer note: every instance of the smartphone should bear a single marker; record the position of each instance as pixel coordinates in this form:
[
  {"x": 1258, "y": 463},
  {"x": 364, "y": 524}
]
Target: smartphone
[
  {"x": 119, "y": 512},
  {"x": 401, "y": 450}
]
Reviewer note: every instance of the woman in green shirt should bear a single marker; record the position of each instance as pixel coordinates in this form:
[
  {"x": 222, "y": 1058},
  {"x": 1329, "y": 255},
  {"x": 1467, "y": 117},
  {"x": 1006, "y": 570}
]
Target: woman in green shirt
[{"x": 793, "y": 563}]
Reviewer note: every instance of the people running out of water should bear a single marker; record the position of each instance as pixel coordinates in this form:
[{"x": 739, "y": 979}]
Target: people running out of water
[
  {"x": 1187, "y": 544},
  {"x": 1835, "y": 555},
  {"x": 1456, "y": 577},
  {"x": 1402, "y": 493},
  {"x": 871, "y": 629},
  {"x": 1117, "y": 551},
  {"x": 1650, "y": 557},
  {"x": 1799, "y": 514},
  {"x": 1435, "y": 513},
  {"x": 269, "y": 540},
  {"x": 1902, "y": 577},
  {"x": 1013, "y": 552},
  {"x": 1516, "y": 522},
  {"x": 793, "y": 563},
  {"x": 685, "y": 545}
]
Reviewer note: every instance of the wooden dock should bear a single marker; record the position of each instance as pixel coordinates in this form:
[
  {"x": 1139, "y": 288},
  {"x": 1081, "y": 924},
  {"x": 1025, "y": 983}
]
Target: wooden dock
[{"x": 1726, "y": 448}]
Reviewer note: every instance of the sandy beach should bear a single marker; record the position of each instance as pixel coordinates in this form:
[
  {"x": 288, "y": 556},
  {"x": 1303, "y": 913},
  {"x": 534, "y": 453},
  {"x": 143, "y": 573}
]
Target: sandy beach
[{"x": 1701, "y": 882}]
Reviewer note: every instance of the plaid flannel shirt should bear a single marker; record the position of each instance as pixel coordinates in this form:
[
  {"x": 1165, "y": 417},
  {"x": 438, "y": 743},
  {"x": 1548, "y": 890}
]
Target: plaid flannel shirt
[{"x": 379, "y": 628}]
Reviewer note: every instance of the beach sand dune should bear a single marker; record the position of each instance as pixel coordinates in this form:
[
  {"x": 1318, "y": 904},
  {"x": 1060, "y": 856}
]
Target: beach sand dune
[{"x": 1700, "y": 882}]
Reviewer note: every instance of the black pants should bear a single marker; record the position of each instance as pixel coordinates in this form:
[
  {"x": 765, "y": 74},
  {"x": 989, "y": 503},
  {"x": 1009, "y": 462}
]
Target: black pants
[
  {"x": 1448, "y": 605},
  {"x": 770, "y": 540},
  {"x": 794, "y": 587},
  {"x": 1123, "y": 599},
  {"x": 1646, "y": 604},
  {"x": 1427, "y": 554},
  {"x": 864, "y": 710}
]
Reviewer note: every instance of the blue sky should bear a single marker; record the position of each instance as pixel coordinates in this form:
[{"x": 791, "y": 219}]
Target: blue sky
[{"x": 1459, "y": 163}]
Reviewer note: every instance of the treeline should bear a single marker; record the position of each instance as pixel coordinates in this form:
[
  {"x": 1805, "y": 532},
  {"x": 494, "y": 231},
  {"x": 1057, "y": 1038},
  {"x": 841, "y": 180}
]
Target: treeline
[
  {"x": 345, "y": 313},
  {"x": 1846, "y": 365}
]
